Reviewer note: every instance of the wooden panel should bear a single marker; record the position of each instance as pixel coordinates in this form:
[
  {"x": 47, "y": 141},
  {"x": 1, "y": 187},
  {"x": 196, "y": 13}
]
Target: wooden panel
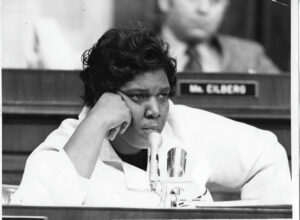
[
  {"x": 22, "y": 133},
  {"x": 41, "y": 88},
  {"x": 77, "y": 213},
  {"x": 13, "y": 162},
  {"x": 13, "y": 168},
  {"x": 12, "y": 177}
]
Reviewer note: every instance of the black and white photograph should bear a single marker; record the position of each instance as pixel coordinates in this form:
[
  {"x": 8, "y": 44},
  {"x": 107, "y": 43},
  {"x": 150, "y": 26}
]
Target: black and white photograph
[{"x": 150, "y": 109}]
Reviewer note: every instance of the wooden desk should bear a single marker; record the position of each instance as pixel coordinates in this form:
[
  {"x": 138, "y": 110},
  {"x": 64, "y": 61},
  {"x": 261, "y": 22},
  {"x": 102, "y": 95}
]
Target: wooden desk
[{"x": 88, "y": 213}]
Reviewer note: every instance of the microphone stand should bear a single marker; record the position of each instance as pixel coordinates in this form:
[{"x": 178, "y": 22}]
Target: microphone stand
[{"x": 155, "y": 142}]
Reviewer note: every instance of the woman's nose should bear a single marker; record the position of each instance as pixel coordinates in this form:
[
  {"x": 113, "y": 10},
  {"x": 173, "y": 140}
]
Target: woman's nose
[
  {"x": 203, "y": 6},
  {"x": 152, "y": 108}
]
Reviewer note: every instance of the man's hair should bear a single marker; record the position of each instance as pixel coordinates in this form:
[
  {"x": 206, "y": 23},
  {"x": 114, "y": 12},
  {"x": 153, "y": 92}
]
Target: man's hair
[{"x": 119, "y": 56}]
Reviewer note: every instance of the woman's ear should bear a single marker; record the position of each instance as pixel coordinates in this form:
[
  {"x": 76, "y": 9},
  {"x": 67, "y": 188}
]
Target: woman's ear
[{"x": 164, "y": 5}]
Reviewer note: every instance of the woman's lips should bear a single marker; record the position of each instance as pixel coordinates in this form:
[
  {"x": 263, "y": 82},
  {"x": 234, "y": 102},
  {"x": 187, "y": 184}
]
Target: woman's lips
[{"x": 149, "y": 130}]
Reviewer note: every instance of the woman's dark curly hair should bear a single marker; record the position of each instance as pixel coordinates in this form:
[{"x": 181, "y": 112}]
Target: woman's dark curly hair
[{"x": 119, "y": 56}]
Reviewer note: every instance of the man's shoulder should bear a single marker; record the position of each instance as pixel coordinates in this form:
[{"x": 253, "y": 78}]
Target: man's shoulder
[
  {"x": 239, "y": 43},
  {"x": 244, "y": 55}
]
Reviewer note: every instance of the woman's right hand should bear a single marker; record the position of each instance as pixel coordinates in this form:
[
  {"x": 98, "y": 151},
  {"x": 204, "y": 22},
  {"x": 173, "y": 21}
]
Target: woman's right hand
[{"x": 112, "y": 111}]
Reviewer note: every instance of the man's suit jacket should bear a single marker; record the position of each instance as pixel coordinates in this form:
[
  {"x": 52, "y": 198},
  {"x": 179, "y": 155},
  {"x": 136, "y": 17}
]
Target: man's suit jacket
[
  {"x": 241, "y": 55},
  {"x": 236, "y": 55}
]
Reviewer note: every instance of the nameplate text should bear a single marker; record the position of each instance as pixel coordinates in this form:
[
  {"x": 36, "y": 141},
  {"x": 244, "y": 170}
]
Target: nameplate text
[{"x": 226, "y": 88}]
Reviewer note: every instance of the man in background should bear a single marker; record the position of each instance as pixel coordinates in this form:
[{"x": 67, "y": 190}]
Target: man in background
[{"x": 191, "y": 29}]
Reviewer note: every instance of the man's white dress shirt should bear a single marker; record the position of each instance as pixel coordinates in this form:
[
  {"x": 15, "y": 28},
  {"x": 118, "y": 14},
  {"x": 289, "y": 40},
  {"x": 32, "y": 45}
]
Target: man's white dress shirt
[{"x": 218, "y": 149}]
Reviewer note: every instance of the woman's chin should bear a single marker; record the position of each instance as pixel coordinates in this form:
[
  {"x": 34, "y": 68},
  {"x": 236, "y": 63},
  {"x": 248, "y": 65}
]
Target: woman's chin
[{"x": 141, "y": 144}]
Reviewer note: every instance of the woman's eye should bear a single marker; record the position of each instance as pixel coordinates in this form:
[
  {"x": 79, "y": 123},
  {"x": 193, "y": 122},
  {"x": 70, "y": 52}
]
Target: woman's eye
[
  {"x": 138, "y": 97},
  {"x": 163, "y": 96}
]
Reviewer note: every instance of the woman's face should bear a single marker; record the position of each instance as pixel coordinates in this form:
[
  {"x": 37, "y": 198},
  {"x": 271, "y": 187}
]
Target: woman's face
[{"x": 149, "y": 106}]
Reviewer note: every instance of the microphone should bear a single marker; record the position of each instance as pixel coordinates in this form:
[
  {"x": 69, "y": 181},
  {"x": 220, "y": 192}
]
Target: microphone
[
  {"x": 176, "y": 162},
  {"x": 155, "y": 140}
]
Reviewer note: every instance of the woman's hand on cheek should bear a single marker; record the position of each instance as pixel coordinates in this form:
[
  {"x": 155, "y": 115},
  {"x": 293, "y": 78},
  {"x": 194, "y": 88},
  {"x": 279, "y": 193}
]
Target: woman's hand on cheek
[{"x": 112, "y": 111}]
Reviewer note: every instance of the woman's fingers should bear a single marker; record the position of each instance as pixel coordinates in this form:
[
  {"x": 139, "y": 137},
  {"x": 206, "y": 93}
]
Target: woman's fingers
[
  {"x": 124, "y": 127},
  {"x": 113, "y": 133}
]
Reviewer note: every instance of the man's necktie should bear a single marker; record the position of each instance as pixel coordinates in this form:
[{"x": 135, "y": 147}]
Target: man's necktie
[{"x": 194, "y": 63}]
